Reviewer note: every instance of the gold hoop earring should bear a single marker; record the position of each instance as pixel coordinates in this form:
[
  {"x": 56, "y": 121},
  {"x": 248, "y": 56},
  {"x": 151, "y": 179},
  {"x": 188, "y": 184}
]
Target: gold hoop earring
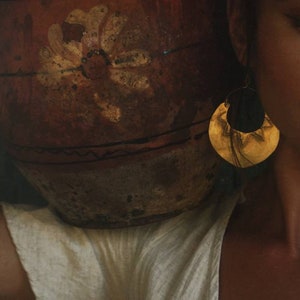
[{"x": 242, "y": 149}]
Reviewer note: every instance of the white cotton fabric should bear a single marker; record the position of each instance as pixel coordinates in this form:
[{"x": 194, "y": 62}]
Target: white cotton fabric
[{"x": 175, "y": 259}]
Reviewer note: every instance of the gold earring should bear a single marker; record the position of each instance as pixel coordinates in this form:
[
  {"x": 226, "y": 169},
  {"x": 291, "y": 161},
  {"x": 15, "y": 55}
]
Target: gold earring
[{"x": 242, "y": 149}]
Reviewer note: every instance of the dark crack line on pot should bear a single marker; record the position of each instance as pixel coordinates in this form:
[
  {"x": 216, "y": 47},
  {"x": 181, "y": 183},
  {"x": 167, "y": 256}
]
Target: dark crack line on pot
[
  {"x": 103, "y": 157},
  {"x": 23, "y": 74},
  {"x": 137, "y": 141}
]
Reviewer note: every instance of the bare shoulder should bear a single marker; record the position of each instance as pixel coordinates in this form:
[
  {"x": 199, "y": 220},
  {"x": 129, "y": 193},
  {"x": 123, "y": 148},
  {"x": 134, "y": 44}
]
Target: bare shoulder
[{"x": 14, "y": 282}]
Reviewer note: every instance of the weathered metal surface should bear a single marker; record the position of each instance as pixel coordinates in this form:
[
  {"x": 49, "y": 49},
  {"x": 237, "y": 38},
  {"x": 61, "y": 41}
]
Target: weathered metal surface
[{"x": 105, "y": 105}]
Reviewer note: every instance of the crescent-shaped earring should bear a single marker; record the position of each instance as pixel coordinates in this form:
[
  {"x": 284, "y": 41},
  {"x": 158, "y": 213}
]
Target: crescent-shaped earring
[{"x": 242, "y": 149}]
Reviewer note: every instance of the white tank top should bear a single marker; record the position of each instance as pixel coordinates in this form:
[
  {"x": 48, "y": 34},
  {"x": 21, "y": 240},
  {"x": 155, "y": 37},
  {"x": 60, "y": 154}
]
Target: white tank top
[{"x": 175, "y": 259}]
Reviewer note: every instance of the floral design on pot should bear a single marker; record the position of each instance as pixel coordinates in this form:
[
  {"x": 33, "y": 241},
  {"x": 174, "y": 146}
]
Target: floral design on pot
[{"x": 83, "y": 48}]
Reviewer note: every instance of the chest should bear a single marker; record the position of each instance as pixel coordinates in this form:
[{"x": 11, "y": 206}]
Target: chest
[{"x": 256, "y": 270}]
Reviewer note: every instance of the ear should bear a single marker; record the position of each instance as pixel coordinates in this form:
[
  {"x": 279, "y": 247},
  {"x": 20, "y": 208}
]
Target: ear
[{"x": 237, "y": 29}]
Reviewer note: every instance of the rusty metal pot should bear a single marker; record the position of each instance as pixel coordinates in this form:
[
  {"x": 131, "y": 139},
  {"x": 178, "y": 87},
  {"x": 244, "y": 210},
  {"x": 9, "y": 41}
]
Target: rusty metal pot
[{"x": 105, "y": 105}]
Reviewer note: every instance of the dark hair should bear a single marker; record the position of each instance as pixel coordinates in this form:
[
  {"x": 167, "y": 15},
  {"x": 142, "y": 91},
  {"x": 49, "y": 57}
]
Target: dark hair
[{"x": 233, "y": 72}]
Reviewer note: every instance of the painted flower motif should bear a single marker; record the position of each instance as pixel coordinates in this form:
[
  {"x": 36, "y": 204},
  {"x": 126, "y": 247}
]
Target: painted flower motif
[{"x": 83, "y": 49}]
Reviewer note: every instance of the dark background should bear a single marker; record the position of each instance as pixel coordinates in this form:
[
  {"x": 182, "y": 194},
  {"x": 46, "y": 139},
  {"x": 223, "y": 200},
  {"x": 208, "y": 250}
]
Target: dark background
[{"x": 14, "y": 188}]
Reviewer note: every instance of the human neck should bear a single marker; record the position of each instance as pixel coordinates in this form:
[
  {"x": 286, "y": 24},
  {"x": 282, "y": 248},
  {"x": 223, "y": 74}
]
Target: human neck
[{"x": 286, "y": 179}]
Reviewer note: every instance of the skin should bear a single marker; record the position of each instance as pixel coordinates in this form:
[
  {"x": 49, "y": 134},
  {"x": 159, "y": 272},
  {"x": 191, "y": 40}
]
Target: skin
[
  {"x": 261, "y": 250},
  {"x": 14, "y": 283}
]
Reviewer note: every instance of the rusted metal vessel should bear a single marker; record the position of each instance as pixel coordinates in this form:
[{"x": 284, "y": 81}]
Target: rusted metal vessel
[{"x": 104, "y": 105}]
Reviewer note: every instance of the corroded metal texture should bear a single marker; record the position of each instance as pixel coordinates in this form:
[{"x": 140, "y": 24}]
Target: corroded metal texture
[{"x": 105, "y": 105}]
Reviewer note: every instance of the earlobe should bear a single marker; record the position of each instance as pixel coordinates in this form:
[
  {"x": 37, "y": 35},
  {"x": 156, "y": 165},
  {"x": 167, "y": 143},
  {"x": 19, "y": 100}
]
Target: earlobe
[{"x": 237, "y": 30}]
